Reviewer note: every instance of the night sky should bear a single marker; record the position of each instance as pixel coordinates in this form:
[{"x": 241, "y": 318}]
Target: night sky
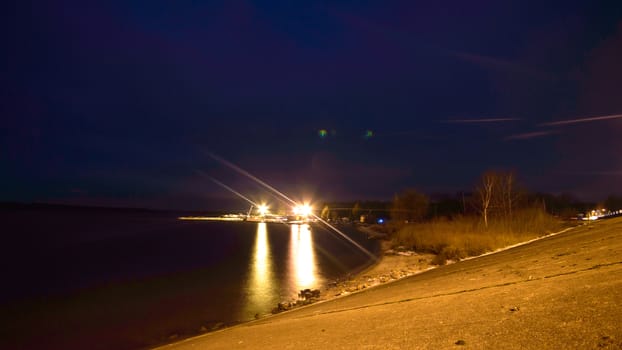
[{"x": 121, "y": 103}]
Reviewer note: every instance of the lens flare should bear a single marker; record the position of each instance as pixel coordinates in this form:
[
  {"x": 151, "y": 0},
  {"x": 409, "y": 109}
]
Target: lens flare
[
  {"x": 285, "y": 198},
  {"x": 262, "y": 209},
  {"x": 230, "y": 189},
  {"x": 303, "y": 210},
  {"x": 254, "y": 178}
]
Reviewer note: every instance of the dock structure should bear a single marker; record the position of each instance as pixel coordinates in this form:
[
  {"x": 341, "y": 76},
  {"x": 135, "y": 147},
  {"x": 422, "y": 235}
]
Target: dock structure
[{"x": 261, "y": 213}]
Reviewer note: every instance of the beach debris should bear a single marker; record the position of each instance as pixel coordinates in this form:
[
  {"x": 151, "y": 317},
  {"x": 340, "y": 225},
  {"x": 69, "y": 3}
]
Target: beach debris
[
  {"x": 280, "y": 307},
  {"x": 306, "y": 297},
  {"x": 308, "y": 294},
  {"x": 460, "y": 342},
  {"x": 514, "y": 309}
]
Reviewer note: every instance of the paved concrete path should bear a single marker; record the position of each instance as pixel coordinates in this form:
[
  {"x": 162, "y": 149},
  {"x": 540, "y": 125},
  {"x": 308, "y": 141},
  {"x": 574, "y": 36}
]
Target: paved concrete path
[{"x": 561, "y": 292}]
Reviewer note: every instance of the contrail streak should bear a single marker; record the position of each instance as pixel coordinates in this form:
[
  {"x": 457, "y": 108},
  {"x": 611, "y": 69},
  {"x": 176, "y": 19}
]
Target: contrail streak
[
  {"x": 529, "y": 135},
  {"x": 500, "y": 64},
  {"x": 291, "y": 201},
  {"x": 484, "y": 120},
  {"x": 606, "y": 173},
  {"x": 583, "y": 120}
]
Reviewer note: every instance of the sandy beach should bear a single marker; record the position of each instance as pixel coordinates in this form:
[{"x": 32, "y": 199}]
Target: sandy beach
[{"x": 392, "y": 265}]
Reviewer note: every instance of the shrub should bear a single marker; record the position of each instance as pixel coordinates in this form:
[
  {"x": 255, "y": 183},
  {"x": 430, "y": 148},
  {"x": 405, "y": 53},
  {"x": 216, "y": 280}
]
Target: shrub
[{"x": 467, "y": 236}]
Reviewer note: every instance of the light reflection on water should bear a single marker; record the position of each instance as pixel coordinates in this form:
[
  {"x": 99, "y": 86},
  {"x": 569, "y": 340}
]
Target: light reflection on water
[
  {"x": 302, "y": 264},
  {"x": 264, "y": 288}
]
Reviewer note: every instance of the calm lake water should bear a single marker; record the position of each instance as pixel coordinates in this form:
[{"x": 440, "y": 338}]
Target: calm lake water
[{"x": 105, "y": 279}]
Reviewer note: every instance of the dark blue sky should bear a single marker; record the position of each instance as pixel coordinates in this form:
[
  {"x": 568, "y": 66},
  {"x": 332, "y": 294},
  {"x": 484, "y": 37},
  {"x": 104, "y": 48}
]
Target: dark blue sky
[{"x": 121, "y": 102}]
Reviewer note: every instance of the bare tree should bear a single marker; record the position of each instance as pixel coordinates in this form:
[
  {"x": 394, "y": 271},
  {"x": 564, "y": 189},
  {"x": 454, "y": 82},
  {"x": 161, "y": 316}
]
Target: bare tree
[
  {"x": 485, "y": 193},
  {"x": 505, "y": 194},
  {"x": 497, "y": 195}
]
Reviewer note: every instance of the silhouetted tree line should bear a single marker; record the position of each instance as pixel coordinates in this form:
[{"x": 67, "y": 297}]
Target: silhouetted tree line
[
  {"x": 353, "y": 210},
  {"x": 613, "y": 203},
  {"x": 563, "y": 205},
  {"x": 498, "y": 195},
  {"x": 409, "y": 206}
]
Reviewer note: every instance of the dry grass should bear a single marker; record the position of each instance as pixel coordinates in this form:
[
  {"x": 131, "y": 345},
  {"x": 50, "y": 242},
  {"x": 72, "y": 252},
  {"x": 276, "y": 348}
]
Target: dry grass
[{"x": 466, "y": 236}]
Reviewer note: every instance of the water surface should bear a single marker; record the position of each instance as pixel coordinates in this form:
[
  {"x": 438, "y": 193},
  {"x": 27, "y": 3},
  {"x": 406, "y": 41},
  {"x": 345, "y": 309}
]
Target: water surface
[{"x": 128, "y": 279}]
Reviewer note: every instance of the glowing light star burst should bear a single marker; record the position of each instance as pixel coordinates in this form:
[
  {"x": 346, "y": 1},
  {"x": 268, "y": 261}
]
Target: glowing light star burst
[
  {"x": 303, "y": 210},
  {"x": 262, "y": 209},
  {"x": 287, "y": 199},
  {"x": 322, "y": 133}
]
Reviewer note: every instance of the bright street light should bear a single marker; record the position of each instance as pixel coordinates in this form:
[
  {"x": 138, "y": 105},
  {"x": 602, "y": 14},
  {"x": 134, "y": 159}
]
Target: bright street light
[
  {"x": 262, "y": 209},
  {"x": 303, "y": 209}
]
